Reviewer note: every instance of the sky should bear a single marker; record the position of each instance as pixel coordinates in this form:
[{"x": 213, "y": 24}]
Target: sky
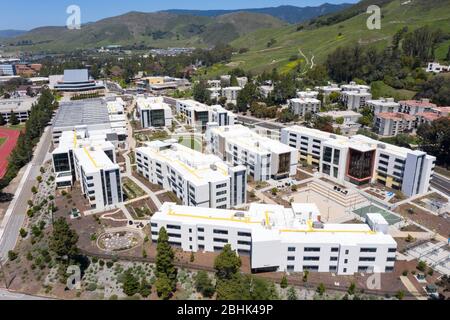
[{"x": 29, "y": 14}]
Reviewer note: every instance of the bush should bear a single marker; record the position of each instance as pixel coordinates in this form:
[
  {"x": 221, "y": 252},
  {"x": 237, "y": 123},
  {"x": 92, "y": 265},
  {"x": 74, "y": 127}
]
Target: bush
[
  {"x": 405, "y": 273},
  {"x": 421, "y": 266},
  {"x": 203, "y": 284},
  {"x": 400, "y": 295},
  {"x": 284, "y": 282},
  {"x": 109, "y": 264},
  {"x": 23, "y": 232},
  {"x": 12, "y": 255},
  {"x": 101, "y": 263}
]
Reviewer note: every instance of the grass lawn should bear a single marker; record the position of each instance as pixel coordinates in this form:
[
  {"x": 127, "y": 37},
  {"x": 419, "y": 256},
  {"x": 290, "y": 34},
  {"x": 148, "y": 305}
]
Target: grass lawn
[
  {"x": 131, "y": 190},
  {"x": 19, "y": 126},
  {"x": 2, "y": 140}
]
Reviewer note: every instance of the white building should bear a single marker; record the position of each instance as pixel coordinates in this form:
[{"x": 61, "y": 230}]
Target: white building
[
  {"x": 195, "y": 113},
  {"x": 361, "y": 160},
  {"x": 383, "y": 105},
  {"x": 231, "y": 93},
  {"x": 354, "y": 100},
  {"x": 281, "y": 239},
  {"x": 89, "y": 158},
  {"x": 265, "y": 90},
  {"x": 326, "y": 90},
  {"x": 242, "y": 81},
  {"x": 308, "y": 93},
  {"x": 413, "y": 107},
  {"x": 393, "y": 123},
  {"x": 221, "y": 116},
  {"x": 197, "y": 179},
  {"x": 264, "y": 158},
  {"x": 352, "y": 86},
  {"x": 21, "y": 107},
  {"x": 348, "y": 116},
  {"x": 154, "y": 112},
  {"x": 214, "y": 84},
  {"x": 437, "y": 68},
  {"x": 301, "y": 106}
]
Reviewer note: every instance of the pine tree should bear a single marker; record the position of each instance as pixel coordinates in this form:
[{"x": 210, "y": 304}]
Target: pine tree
[
  {"x": 2, "y": 120},
  {"x": 130, "y": 284},
  {"x": 165, "y": 257},
  {"x": 63, "y": 241},
  {"x": 284, "y": 282},
  {"x": 164, "y": 287},
  {"x": 227, "y": 263},
  {"x": 292, "y": 294},
  {"x": 13, "y": 119}
]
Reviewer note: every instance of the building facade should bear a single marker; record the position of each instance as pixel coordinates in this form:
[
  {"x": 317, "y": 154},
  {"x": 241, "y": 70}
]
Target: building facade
[
  {"x": 392, "y": 124},
  {"x": 360, "y": 160},
  {"x": 301, "y": 106},
  {"x": 154, "y": 112},
  {"x": 281, "y": 239},
  {"x": 197, "y": 179},
  {"x": 264, "y": 158}
]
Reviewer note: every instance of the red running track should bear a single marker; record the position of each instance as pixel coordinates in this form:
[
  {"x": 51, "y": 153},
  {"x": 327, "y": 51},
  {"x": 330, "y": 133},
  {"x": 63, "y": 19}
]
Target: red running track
[{"x": 7, "y": 147}]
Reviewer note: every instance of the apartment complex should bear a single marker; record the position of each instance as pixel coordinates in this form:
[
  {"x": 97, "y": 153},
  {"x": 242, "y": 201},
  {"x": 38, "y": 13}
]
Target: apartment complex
[
  {"x": 264, "y": 158},
  {"x": 89, "y": 158},
  {"x": 354, "y": 100},
  {"x": 301, "y": 106},
  {"x": 308, "y": 93},
  {"x": 154, "y": 112},
  {"x": 221, "y": 116},
  {"x": 413, "y": 107},
  {"x": 231, "y": 93},
  {"x": 383, "y": 105},
  {"x": 361, "y": 160},
  {"x": 197, "y": 179},
  {"x": 195, "y": 113},
  {"x": 281, "y": 239},
  {"x": 392, "y": 124}
]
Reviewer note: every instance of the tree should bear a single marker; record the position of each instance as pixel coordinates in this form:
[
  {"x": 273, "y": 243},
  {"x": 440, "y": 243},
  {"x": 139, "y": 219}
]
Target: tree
[
  {"x": 340, "y": 120},
  {"x": 63, "y": 241},
  {"x": 320, "y": 289},
  {"x": 13, "y": 120},
  {"x": 435, "y": 140},
  {"x": 351, "y": 289},
  {"x": 305, "y": 275},
  {"x": 130, "y": 283},
  {"x": 2, "y": 120},
  {"x": 201, "y": 92},
  {"x": 284, "y": 282},
  {"x": 246, "y": 96},
  {"x": 233, "y": 81},
  {"x": 204, "y": 285},
  {"x": 292, "y": 294},
  {"x": 165, "y": 257},
  {"x": 227, "y": 263},
  {"x": 164, "y": 287},
  {"x": 308, "y": 116},
  {"x": 284, "y": 89},
  {"x": 400, "y": 295},
  {"x": 324, "y": 124},
  {"x": 12, "y": 255},
  {"x": 421, "y": 266},
  {"x": 145, "y": 288}
]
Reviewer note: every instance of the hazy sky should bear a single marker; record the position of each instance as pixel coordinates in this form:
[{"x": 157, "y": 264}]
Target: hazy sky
[{"x": 28, "y": 14}]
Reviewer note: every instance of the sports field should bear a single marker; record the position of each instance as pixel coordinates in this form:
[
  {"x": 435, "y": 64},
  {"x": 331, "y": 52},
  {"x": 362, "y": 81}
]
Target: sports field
[{"x": 8, "y": 140}]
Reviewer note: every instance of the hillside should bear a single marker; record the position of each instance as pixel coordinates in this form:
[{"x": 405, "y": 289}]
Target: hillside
[
  {"x": 10, "y": 33},
  {"x": 155, "y": 29},
  {"x": 290, "y": 14},
  {"x": 311, "y": 44}
]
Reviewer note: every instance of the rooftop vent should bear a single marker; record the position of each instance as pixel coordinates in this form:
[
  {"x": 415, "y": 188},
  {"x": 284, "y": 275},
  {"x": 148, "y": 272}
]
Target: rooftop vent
[
  {"x": 239, "y": 215},
  {"x": 318, "y": 225},
  {"x": 213, "y": 167}
]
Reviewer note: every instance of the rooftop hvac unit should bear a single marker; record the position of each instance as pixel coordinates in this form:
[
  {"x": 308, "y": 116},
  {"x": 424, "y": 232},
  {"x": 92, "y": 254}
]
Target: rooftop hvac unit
[
  {"x": 381, "y": 146},
  {"x": 239, "y": 215},
  {"x": 213, "y": 167},
  {"x": 332, "y": 136}
]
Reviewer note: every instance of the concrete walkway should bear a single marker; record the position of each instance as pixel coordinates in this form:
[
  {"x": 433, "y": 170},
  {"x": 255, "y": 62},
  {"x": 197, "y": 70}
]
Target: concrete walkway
[{"x": 411, "y": 288}]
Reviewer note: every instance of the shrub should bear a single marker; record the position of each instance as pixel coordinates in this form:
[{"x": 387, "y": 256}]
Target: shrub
[
  {"x": 109, "y": 264},
  {"x": 421, "y": 266},
  {"x": 12, "y": 255},
  {"x": 23, "y": 232},
  {"x": 284, "y": 282}
]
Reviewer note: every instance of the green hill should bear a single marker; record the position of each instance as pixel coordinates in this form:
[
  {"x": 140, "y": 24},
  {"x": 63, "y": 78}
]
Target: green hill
[
  {"x": 155, "y": 29},
  {"x": 312, "y": 42}
]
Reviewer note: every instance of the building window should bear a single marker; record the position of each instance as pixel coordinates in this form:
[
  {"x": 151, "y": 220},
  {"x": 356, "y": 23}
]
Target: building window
[
  {"x": 346, "y": 251},
  {"x": 291, "y": 249},
  {"x": 290, "y": 268},
  {"x": 310, "y": 268},
  {"x": 218, "y": 231},
  {"x": 333, "y": 269},
  {"x": 201, "y": 238},
  {"x": 291, "y": 258},
  {"x": 346, "y": 261},
  {"x": 200, "y": 229},
  {"x": 389, "y": 269},
  {"x": 366, "y": 259},
  {"x": 334, "y": 249},
  {"x": 311, "y": 258},
  {"x": 171, "y": 226},
  {"x": 221, "y": 240},
  {"x": 312, "y": 249},
  {"x": 368, "y": 250},
  {"x": 244, "y": 234},
  {"x": 333, "y": 258},
  {"x": 246, "y": 243},
  {"x": 392, "y": 249},
  {"x": 389, "y": 259}
]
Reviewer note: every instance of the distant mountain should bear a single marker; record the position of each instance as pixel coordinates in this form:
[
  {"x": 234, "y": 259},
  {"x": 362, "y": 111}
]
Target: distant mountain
[
  {"x": 290, "y": 14},
  {"x": 10, "y": 33},
  {"x": 160, "y": 29}
]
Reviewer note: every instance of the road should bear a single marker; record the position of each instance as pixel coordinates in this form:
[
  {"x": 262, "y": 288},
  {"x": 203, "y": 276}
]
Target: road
[
  {"x": 441, "y": 183},
  {"x": 7, "y": 295},
  {"x": 18, "y": 207}
]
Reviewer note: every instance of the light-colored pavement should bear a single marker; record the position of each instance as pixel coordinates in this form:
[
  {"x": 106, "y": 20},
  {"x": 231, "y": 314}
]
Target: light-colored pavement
[
  {"x": 8, "y": 295},
  {"x": 16, "y": 213},
  {"x": 411, "y": 288}
]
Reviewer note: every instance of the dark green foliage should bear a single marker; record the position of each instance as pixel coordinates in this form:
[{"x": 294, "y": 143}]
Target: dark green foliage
[
  {"x": 284, "y": 282},
  {"x": 13, "y": 119},
  {"x": 292, "y": 294},
  {"x": 246, "y": 96},
  {"x": 164, "y": 287},
  {"x": 435, "y": 139},
  {"x": 437, "y": 89},
  {"x": 63, "y": 241},
  {"x": 165, "y": 269},
  {"x": 12, "y": 255},
  {"x": 201, "y": 92},
  {"x": 227, "y": 263},
  {"x": 320, "y": 289},
  {"x": 246, "y": 287},
  {"x": 130, "y": 283},
  {"x": 145, "y": 288},
  {"x": 2, "y": 120},
  {"x": 324, "y": 123},
  {"x": 204, "y": 285}
]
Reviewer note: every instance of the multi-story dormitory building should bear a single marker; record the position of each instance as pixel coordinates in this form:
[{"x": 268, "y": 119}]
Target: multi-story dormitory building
[
  {"x": 361, "y": 160},
  {"x": 89, "y": 158},
  {"x": 264, "y": 158},
  {"x": 200, "y": 180},
  {"x": 198, "y": 114},
  {"x": 281, "y": 239},
  {"x": 153, "y": 112}
]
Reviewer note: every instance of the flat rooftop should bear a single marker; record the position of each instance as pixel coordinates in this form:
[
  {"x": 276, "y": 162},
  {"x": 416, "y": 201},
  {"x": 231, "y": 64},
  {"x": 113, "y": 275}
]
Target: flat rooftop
[
  {"x": 337, "y": 114},
  {"x": 151, "y": 103},
  {"x": 16, "y": 104},
  {"x": 248, "y": 139},
  {"x": 84, "y": 112},
  {"x": 93, "y": 159},
  {"x": 193, "y": 165},
  {"x": 274, "y": 222}
]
